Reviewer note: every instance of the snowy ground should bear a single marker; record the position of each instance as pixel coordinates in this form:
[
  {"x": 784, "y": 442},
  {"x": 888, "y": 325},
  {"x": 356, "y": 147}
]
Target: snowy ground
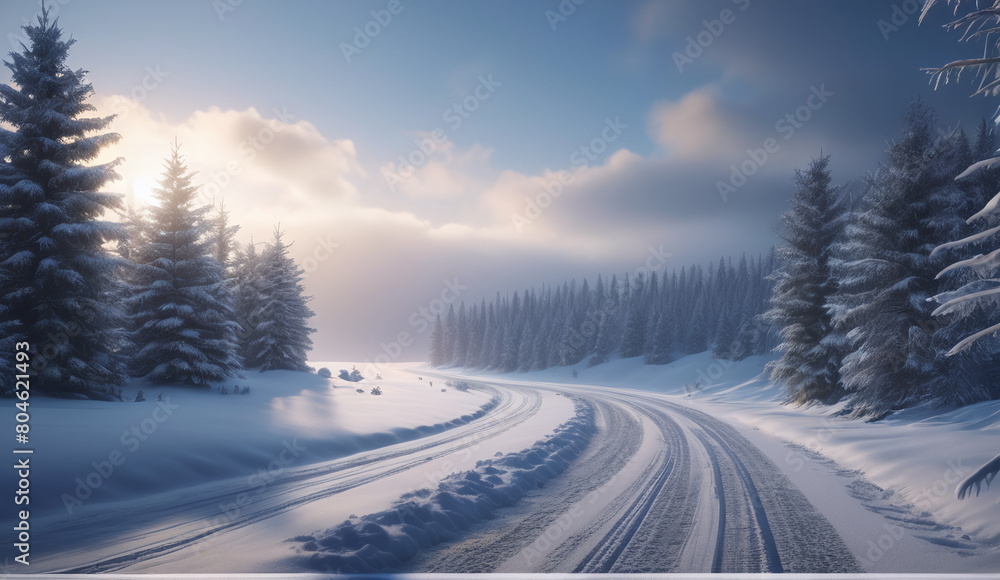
[
  {"x": 194, "y": 436},
  {"x": 692, "y": 466}
]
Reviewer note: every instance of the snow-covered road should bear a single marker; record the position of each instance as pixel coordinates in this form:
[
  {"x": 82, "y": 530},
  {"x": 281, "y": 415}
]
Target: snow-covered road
[
  {"x": 653, "y": 486},
  {"x": 661, "y": 488}
]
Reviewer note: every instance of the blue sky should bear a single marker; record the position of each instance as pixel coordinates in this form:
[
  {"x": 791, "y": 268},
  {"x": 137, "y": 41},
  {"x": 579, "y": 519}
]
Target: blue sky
[{"x": 554, "y": 89}]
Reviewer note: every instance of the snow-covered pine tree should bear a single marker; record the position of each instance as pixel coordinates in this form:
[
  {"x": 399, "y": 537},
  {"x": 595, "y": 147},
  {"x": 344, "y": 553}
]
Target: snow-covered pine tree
[
  {"x": 697, "y": 332},
  {"x": 985, "y": 291},
  {"x": 965, "y": 377},
  {"x": 462, "y": 337},
  {"x": 134, "y": 222},
  {"x": 725, "y": 335},
  {"x": 489, "y": 338},
  {"x": 249, "y": 301},
  {"x": 634, "y": 337},
  {"x": 512, "y": 338},
  {"x": 500, "y": 332},
  {"x": 606, "y": 316},
  {"x": 531, "y": 322},
  {"x": 57, "y": 280},
  {"x": 283, "y": 341},
  {"x": 180, "y": 311},
  {"x": 224, "y": 237},
  {"x": 886, "y": 277},
  {"x": 745, "y": 344},
  {"x": 450, "y": 336},
  {"x": 659, "y": 347},
  {"x": 436, "y": 354},
  {"x": 542, "y": 341},
  {"x": 809, "y": 367}
]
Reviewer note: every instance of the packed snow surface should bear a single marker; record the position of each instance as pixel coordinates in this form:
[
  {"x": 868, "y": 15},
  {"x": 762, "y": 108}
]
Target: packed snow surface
[{"x": 696, "y": 465}]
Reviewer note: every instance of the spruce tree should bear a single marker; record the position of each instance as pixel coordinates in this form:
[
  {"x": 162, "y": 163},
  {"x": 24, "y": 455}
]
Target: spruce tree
[
  {"x": 224, "y": 237},
  {"x": 659, "y": 349},
  {"x": 886, "y": 277},
  {"x": 57, "y": 279},
  {"x": 249, "y": 302},
  {"x": 181, "y": 317},
  {"x": 437, "y": 343},
  {"x": 283, "y": 334},
  {"x": 697, "y": 335},
  {"x": 634, "y": 337},
  {"x": 462, "y": 338},
  {"x": 808, "y": 367},
  {"x": 725, "y": 336}
]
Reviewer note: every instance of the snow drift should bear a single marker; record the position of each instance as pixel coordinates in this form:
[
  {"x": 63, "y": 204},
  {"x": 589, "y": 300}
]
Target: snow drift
[{"x": 425, "y": 518}]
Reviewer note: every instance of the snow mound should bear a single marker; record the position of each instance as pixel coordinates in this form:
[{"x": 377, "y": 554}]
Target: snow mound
[{"x": 425, "y": 518}]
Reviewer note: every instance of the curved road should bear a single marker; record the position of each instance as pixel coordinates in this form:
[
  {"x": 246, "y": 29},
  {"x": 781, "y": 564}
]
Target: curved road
[{"x": 660, "y": 488}]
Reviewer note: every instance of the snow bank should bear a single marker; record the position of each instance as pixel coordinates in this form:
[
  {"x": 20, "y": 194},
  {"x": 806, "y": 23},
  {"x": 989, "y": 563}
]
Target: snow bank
[
  {"x": 424, "y": 518},
  {"x": 91, "y": 452}
]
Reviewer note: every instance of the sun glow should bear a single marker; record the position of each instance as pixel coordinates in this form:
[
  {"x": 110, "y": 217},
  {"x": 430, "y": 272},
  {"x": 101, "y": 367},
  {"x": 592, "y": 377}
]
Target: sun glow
[{"x": 142, "y": 188}]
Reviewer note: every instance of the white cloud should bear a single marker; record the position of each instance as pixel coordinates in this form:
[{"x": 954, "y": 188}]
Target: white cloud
[
  {"x": 695, "y": 127},
  {"x": 271, "y": 163},
  {"x": 452, "y": 217},
  {"x": 440, "y": 174}
]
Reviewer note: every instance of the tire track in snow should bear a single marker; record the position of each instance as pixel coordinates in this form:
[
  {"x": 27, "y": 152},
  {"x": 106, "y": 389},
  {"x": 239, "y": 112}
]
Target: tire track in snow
[
  {"x": 523, "y": 536},
  {"x": 759, "y": 522},
  {"x": 664, "y": 491},
  {"x": 794, "y": 537}
]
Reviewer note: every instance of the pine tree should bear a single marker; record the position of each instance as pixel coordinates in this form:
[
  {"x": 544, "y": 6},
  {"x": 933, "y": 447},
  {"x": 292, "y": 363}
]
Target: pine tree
[
  {"x": 462, "y": 338},
  {"x": 697, "y": 336},
  {"x": 659, "y": 351},
  {"x": 135, "y": 223},
  {"x": 961, "y": 377},
  {"x": 634, "y": 338},
  {"x": 284, "y": 340},
  {"x": 249, "y": 301},
  {"x": 450, "y": 336},
  {"x": 745, "y": 346},
  {"x": 887, "y": 277},
  {"x": 974, "y": 24},
  {"x": 808, "y": 368},
  {"x": 606, "y": 315},
  {"x": 540, "y": 347},
  {"x": 476, "y": 339},
  {"x": 489, "y": 338},
  {"x": 725, "y": 336},
  {"x": 224, "y": 237},
  {"x": 512, "y": 338},
  {"x": 181, "y": 316},
  {"x": 437, "y": 343},
  {"x": 57, "y": 280}
]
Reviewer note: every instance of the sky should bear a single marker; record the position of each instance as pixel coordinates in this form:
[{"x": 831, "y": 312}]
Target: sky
[{"x": 420, "y": 154}]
